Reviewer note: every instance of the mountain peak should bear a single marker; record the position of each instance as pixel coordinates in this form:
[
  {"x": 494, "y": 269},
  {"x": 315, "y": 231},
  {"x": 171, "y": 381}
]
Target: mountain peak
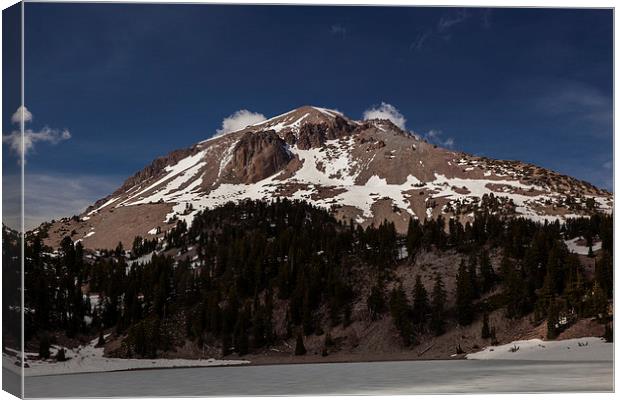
[
  {"x": 365, "y": 171},
  {"x": 294, "y": 119}
]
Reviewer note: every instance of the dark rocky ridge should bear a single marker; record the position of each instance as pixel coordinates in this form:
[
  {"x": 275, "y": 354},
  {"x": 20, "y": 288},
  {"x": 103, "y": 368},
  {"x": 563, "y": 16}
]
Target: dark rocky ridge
[{"x": 257, "y": 156}]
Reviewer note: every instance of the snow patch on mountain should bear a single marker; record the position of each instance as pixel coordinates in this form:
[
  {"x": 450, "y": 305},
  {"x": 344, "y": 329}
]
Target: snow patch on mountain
[
  {"x": 330, "y": 165},
  {"x": 328, "y": 112},
  {"x": 177, "y": 175},
  {"x": 578, "y": 246},
  {"x": 104, "y": 205}
]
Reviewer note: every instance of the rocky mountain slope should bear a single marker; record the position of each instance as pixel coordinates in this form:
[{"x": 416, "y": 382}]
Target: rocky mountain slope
[{"x": 365, "y": 171}]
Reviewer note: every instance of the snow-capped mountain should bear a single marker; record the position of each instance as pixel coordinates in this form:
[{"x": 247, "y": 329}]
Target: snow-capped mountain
[{"x": 367, "y": 171}]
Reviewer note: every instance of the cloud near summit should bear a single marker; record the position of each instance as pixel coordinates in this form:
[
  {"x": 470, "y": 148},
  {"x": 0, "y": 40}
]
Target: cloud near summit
[
  {"x": 435, "y": 136},
  {"x": 239, "y": 120},
  {"x": 386, "y": 111}
]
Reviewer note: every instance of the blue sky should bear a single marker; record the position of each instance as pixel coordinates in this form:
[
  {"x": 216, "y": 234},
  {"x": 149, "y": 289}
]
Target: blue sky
[{"x": 133, "y": 82}]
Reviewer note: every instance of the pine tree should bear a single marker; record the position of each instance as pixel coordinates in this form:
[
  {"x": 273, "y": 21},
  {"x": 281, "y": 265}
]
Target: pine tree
[
  {"x": 119, "y": 251},
  {"x": 515, "y": 290},
  {"x": 401, "y": 315},
  {"x": 486, "y": 330},
  {"x": 44, "y": 346},
  {"x": 328, "y": 340},
  {"x": 437, "y": 307},
  {"x": 421, "y": 307},
  {"x": 603, "y": 273},
  {"x": 574, "y": 290},
  {"x": 258, "y": 328},
  {"x": 60, "y": 356},
  {"x": 240, "y": 335},
  {"x": 414, "y": 237},
  {"x": 376, "y": 302},
  {"x": 473, "y": 277},
  {"x": 487, "y": 275},
  {"x": 307, "y": 316},
  {"x": 270, "y": 334},
  {"x": 609, "y": 334},
  {"x": 137, "y": 247},
  {"x": 300, "y": 349},
  {"x": 553, "y": 316},
  {"x": 464, "y": 297},
  {"x": 555, "y": 271},
  {"x": 600, "y": 305},
  {"x": 226, "y": 344}
]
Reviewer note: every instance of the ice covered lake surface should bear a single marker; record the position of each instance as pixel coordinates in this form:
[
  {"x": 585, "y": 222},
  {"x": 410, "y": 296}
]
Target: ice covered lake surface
[{"x": 377, "y": 378}]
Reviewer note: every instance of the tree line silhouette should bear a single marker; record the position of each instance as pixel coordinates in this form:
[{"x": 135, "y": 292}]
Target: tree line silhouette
[{"x": 222, "y": 280}]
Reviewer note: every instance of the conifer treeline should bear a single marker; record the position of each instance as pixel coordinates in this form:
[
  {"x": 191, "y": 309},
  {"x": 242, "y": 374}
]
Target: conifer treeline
[{"x": 220, "y": 280}]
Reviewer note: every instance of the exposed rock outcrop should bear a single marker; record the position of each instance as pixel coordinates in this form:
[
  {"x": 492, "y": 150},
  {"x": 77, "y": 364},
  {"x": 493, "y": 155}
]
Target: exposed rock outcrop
[{"x": 256, "y": 156}]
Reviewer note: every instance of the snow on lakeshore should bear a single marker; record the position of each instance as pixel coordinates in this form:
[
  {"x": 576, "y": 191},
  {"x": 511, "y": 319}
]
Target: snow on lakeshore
[
  {"x": 582, "y": 349},
  {"x": 90, "y": 359}
]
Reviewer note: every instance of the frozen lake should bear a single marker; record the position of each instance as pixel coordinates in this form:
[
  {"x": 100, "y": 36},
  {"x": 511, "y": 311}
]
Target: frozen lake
[{"x": 401, "y": 377}]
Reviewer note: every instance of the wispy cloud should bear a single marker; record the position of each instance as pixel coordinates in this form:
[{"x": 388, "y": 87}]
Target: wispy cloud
[
  {"x": 435, "y": 136},
  {"x": 239, "y": 120},
  {"x": 442, "y": 29},
  {"x": 419, "y": 41},
  {"x": 46, "y": 134},
  {"x": 576, "y": 101},
  {"x": 486, "y": 18},
  {"x": 338, "y": 30},
  {"x": 453, "y": 18},
  {"x": 52, "y": 196},
  {"x": 386, "y": 111},
  {"x": 25, "y": 144}
]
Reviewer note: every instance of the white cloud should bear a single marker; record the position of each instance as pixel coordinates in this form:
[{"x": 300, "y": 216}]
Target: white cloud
[
  {"x": 435, "y": 136},
  {"x": 52, "y": 196},
  {"x": 432, "y": 134},
  {"x": 14, "y": 139},
  {"x": 239, "y": 120},
  {"x": 444, "y": 26},
  {"x": 419, "y": 41},
  {"x": 575, "y": 100},
  {"x": 338, "y": 30},
  {"x": 21, "y": 113},
  {"x": 386, "y": 111},
  {"x": 52, "y": 136},
  {"x": 446, "y": 22}
]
